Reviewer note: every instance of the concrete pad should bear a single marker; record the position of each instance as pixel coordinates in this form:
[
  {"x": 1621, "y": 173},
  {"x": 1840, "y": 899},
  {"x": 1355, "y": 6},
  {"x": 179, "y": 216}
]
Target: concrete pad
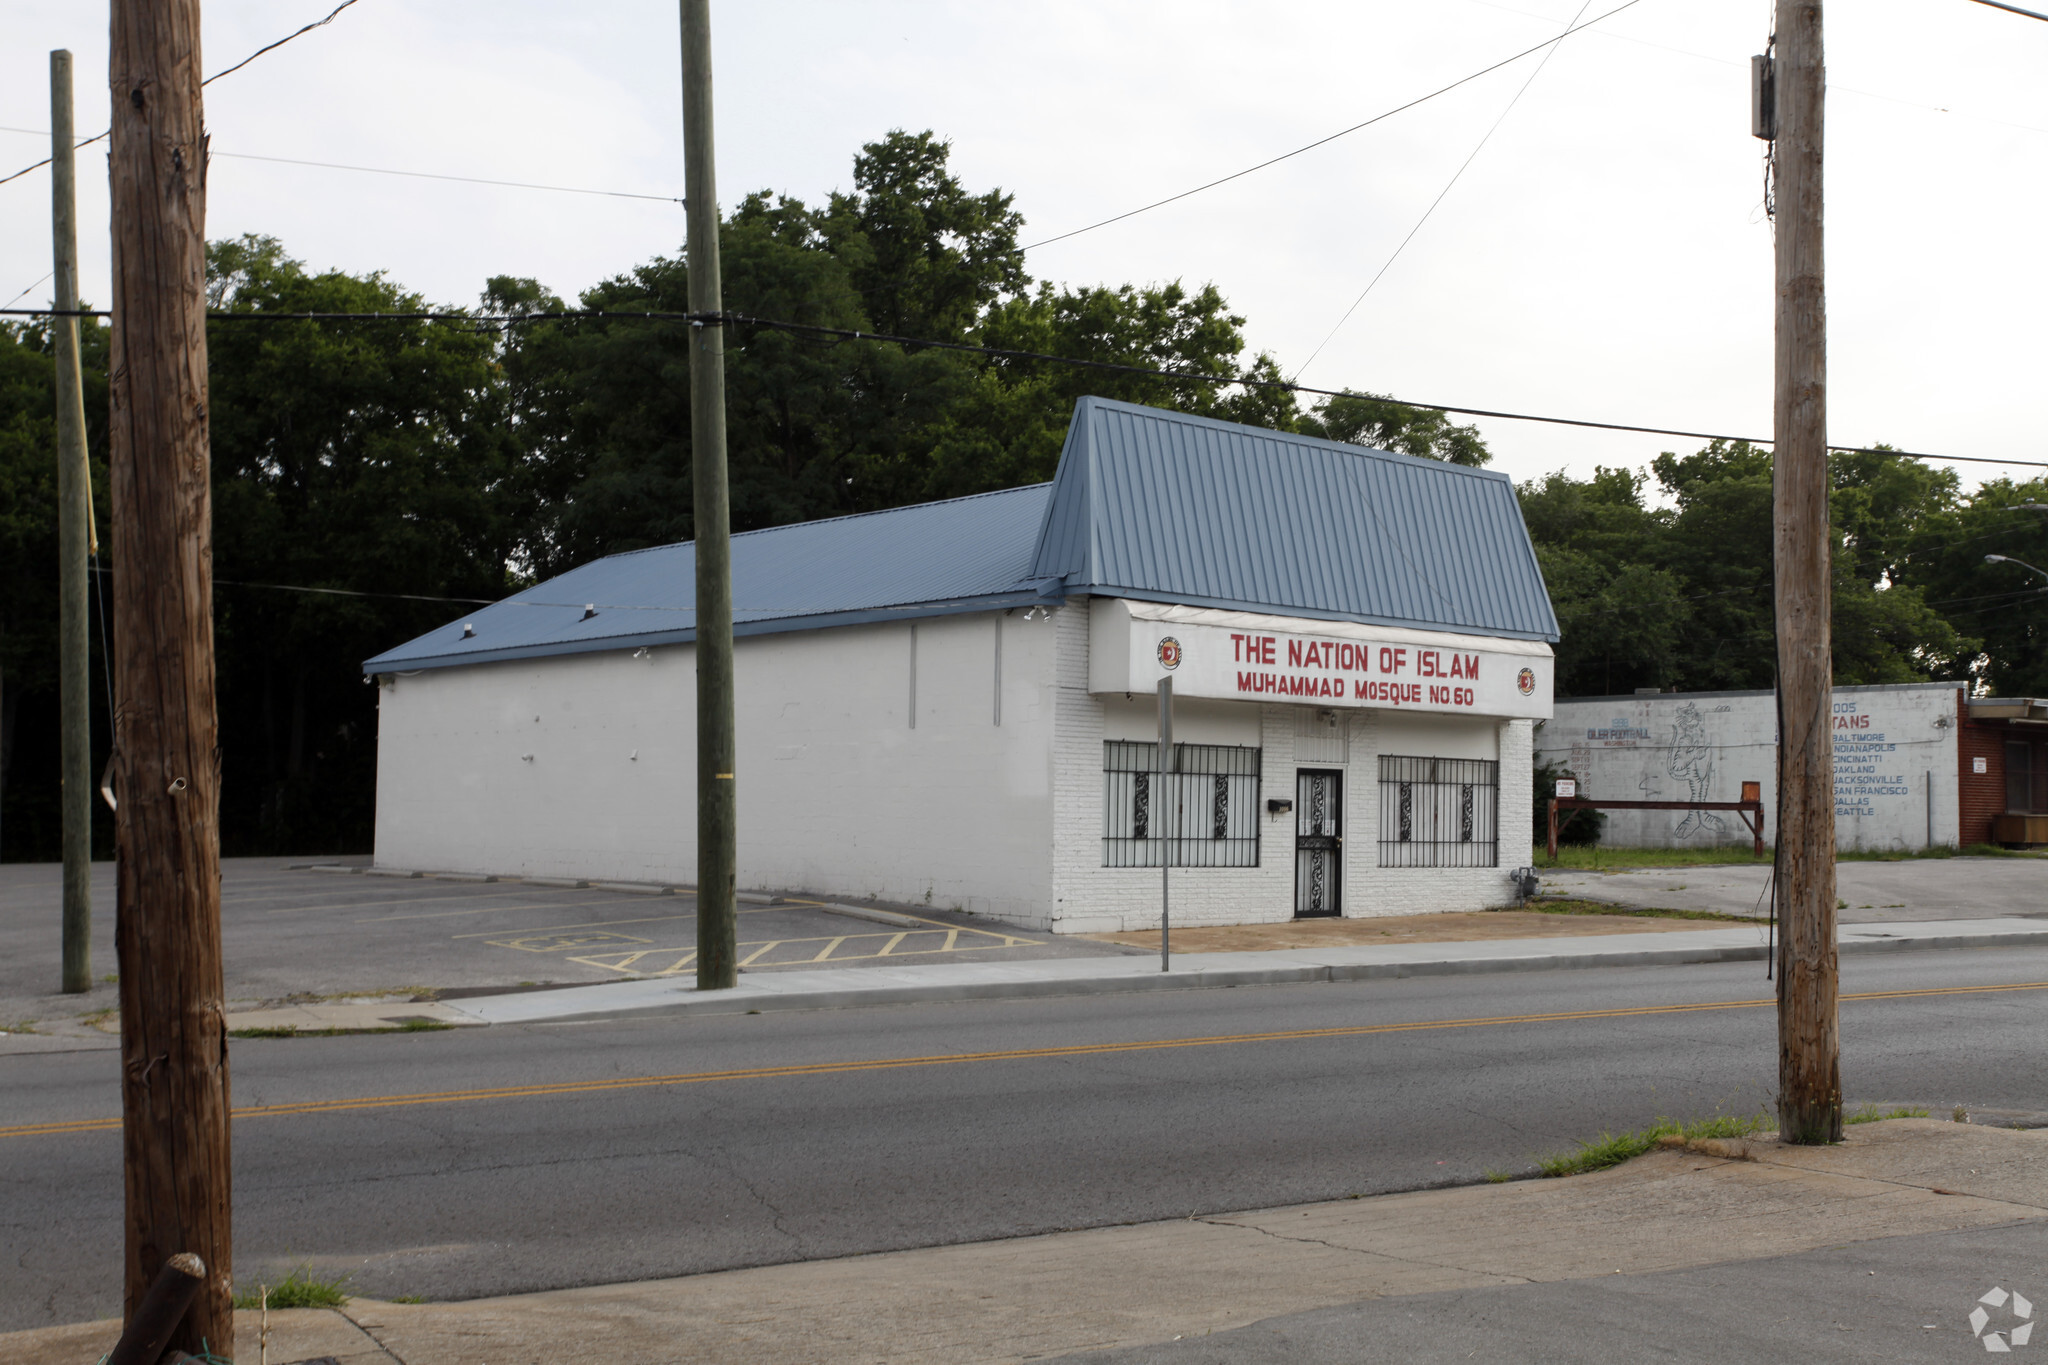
[
  {"x": 1046, "y": 977},
  {"x": 362, "y": 1016},
  {"x": 296, "y": 1334},
  {"x": 1105, "y": 1288},
  {"x": 1915, "y": 889},
  {"x": 1470, "y": 926}
]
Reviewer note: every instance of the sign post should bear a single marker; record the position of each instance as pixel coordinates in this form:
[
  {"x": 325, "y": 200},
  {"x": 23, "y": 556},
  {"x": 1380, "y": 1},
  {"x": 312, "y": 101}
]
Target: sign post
[{"x": 1166, "y": 765}]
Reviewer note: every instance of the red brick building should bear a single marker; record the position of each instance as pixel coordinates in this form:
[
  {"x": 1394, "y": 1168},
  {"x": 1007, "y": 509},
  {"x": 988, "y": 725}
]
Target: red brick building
[{"x": 2002, "y": 752}]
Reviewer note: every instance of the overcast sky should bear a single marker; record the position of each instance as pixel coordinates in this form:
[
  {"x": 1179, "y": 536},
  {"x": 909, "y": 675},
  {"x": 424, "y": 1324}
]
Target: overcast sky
[{"x": 1605, "y": 256}]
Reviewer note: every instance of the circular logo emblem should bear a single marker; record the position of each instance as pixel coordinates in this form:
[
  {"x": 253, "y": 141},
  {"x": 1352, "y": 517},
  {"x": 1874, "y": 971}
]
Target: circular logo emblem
[
  {"x": 1526, "y": 681},
  {"x": 1169, "y": 654}
]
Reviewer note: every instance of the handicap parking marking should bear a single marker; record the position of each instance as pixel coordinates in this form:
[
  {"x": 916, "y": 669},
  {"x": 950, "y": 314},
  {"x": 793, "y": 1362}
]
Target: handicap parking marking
[
  {"x": 819, "y": 950},
  {"x": 562, "y": 943}
]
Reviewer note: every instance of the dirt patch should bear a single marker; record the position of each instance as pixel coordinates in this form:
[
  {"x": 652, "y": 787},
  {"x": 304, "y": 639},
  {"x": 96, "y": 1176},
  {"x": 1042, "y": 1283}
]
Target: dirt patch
[{"x": 1461, "y": 927}]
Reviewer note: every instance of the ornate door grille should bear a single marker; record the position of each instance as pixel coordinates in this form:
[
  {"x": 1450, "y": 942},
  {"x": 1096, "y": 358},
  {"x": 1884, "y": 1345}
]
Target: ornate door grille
[{"x": 1318, "y": 842}]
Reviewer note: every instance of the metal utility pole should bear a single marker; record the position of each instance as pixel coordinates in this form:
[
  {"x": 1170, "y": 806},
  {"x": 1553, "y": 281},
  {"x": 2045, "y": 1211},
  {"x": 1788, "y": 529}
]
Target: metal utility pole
[
  {"x": 174, "y": 1059},
  {"x": 1167, "y": 766},
  {"x": 1809, "y": 1036},
  {"x": 75, "y": 540},
  {"x": 717, "y": 842}
]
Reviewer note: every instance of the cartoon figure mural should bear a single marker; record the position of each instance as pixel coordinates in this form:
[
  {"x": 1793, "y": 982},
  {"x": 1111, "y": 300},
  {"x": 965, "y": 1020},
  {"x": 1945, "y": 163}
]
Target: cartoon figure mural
[{"x": 1692, "y": 763}]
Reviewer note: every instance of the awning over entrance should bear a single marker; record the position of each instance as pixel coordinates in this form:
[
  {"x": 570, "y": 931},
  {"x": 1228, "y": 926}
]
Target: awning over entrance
[{"x": 1248, "y": 656}]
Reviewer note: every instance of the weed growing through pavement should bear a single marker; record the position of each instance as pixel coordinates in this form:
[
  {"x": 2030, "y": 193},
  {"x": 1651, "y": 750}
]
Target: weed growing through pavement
[
  {"x": 1611, "y": 1149},
  {"x": 297, "y": 1290},
  {"x": 1870, "y": 1113},
  {"x": 1602, "y": 859},
  {"x": 1567, "y": 906}
]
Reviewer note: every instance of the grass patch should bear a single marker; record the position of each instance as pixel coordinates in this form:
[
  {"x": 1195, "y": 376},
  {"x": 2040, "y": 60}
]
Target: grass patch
[
  {"x": 1611, "y": 1149},
  {"x": 1600, "y": 858},
  {"x": 297, "y": 1290},
  {"x": 1564, "y": 905},
  {"x": 1603, "y": 859},
  {"x": 1870, "y": 1113}
]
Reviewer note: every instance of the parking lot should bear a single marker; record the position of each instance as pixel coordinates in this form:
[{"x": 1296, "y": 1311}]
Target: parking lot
[{"x": 291, "y": 931}]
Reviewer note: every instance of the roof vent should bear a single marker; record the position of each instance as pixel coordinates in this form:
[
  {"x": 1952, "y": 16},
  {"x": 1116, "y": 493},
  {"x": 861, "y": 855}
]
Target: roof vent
[
  {"x": 589, "y": 610},
  {"x": 468, "y": 631}
]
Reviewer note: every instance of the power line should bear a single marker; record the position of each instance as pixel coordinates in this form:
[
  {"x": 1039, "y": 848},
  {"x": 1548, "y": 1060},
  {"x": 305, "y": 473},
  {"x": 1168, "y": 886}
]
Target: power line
[
  {"x": 732, "y": 319},
  {"x": 18, "y": 297},
  {"x": 334, "y": 592},
  {"x": 1448, "y": 186},
  {"x": 415, "y": 175},
  {"x": 1342, "y": 132},
  {"x": 2012, "y": 9},
  {"x": 321, "y": 23}
]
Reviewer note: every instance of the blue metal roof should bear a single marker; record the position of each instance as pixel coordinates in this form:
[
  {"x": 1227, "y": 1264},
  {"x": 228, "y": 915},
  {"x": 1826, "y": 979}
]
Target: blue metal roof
[
  {"x": 1147, "y": 504},
  {"x": 1165, "y": 507},
  {"x": 938, "y": 557}
]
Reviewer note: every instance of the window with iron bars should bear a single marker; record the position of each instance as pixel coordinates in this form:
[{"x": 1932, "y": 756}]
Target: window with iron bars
[
  {"x": 1204, "y": 815},
  {"x": 1439, "y": 812}
]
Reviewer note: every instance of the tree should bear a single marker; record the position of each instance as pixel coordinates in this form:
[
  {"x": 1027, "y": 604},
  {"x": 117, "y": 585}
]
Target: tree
[
  {"x": 1622, "y": 620},
  {"x": 927, "y": 258},
  {"x": 1369, "y": 419},
  {"x": 2000, "y": 608},
  {"x": 353, "y": 458},
  {"x": 29, "y": 817}
]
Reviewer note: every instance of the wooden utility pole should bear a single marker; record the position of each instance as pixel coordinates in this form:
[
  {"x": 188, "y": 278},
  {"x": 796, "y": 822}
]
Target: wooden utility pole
[
  {"x": 74, "y": 542},
  {"x": 1809, "y": 1038},
  {"x": 717, "y": 844},
  {"x": 174, "y": 1058}
]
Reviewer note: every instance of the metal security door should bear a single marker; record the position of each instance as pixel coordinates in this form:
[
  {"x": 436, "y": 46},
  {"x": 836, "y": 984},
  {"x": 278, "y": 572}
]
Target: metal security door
[{"x": 1318, "y": 845}]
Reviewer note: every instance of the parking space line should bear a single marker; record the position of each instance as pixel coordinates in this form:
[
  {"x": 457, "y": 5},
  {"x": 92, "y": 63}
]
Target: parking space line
[
  {"x": 602, "y": 923},
  {"x": 832, "y": 951},
  {"x": 486, "y": 910}
]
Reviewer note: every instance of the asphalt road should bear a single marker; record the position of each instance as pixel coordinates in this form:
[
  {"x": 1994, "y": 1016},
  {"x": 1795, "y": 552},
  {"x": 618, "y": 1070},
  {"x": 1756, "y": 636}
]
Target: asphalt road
[{"x": 608, "y": 1152}]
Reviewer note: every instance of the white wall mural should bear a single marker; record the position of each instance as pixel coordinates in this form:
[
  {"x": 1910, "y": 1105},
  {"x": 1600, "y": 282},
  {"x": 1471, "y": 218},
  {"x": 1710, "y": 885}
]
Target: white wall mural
[{"x": 1895, "y": 763}]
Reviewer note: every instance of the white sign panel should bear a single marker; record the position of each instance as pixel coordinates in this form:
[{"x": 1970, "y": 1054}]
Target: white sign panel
[
  {"x": 1567, "y": 788},
  {"x": 1243, "y": 656}
]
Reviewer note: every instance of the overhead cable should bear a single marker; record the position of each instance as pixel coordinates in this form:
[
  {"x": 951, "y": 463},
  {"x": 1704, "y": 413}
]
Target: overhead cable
[
  {"x": 318, "y": 23},
  {"x": 1456, "y": 175},
  {"x": 1341, "y": 132},
  {"x": 2012, "y": 9},
  {"x": 732, "y": 319}
]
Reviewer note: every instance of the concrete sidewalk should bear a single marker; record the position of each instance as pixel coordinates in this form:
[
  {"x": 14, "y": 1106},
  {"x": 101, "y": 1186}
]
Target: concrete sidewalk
[
  {"x": 827, "y": 989},
  {"x": 1123, "y": 1287}
]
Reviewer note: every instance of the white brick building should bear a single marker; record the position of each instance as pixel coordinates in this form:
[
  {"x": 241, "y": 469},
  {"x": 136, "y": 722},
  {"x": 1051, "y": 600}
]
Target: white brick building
[{"x": 954, "y": 703}]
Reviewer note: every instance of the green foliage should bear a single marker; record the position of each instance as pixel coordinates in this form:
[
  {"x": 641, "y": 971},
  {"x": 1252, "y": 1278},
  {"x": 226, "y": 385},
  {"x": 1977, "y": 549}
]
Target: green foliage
[
  {"x": 1611, "y": 1149},
  {"x": 361, "y": 458},
  {"x": 297, "y": 1290},
  {"x": 1369, "y": 419},
  {"x": 1679, "y": 595},
  {"x": 1870, "y": 1113}
]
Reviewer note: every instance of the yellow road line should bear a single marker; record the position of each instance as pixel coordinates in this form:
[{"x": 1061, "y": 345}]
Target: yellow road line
[{"x": 510, "y": 1092}]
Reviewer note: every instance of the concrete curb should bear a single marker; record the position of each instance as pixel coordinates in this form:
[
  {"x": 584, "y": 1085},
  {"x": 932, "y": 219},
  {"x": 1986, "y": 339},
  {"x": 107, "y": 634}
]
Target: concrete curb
[{"x": 766, "y": 992}]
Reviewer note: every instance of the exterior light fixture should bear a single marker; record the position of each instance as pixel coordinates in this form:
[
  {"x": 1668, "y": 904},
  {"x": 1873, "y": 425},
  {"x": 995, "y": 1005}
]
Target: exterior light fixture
[{"x": 2008, "y": 559}]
